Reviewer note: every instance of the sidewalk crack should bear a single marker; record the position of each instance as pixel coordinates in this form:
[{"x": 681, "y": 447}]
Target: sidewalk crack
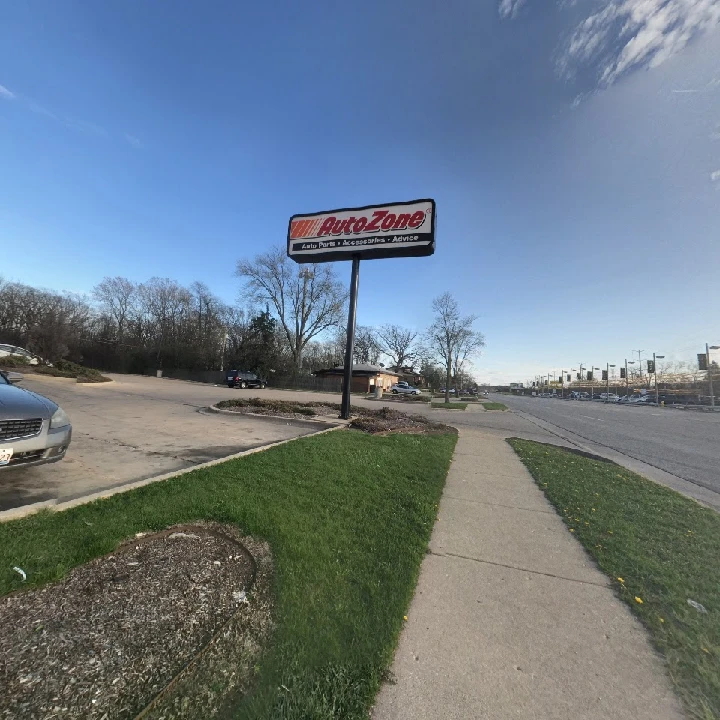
[
  {"x": 515, "y": 567},
  {"x": 491, "y": 504}
]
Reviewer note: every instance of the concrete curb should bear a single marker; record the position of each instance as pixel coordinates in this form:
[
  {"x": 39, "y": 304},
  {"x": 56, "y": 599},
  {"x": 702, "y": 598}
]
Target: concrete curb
[
  {"x": 55, "y": 506},
  {"x": 310, "y": 422}
]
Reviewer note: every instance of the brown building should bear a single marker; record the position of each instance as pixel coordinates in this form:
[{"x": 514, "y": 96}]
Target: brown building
[{"x": 365, "y": 378}]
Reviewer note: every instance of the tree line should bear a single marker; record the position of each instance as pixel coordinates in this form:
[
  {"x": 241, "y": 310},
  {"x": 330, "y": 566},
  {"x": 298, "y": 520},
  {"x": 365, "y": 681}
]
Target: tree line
[{"x": 290, "y": 319}]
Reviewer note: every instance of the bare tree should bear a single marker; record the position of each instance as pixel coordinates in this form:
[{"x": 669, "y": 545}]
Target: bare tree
[
  {"x": 367, "y": 348},
  {"x": 307, "y": 299},
  {"x": 451, "y": 338},
  {"x": 116, "y": 296},
  {"x": 397, "y": 343}
]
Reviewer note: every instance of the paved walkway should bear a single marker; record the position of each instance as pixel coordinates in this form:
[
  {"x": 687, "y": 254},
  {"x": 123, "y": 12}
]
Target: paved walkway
[{"x": 510, "y": 618}]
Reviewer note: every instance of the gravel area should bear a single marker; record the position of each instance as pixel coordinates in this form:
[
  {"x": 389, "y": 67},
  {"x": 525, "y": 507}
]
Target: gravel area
[{"x": 166, "y": 626}]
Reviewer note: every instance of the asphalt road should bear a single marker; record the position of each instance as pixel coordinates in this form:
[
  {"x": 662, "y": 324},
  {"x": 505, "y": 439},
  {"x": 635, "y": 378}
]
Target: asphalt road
[{"x": 683, "y": 443}]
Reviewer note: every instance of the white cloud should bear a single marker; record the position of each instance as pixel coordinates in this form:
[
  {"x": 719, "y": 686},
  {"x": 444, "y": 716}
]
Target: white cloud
[
  {"x": 134, "y": 141},
  {"x": 715, "y": 176},
  {"x": 7, "y": 94},
  {"x": 510, "y": 8},
  {"x": 628, "y": 34}
]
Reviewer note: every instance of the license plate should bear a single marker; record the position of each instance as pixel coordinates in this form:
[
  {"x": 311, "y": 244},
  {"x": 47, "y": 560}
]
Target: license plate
[{"x": 5, "y": 455}]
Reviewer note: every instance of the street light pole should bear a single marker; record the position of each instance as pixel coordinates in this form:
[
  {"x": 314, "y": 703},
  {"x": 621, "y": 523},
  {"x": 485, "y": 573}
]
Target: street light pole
[
  {"x": 639, "y": 352},
  {"x": 627, "y": 380},
  {"x": 709, "y": 372},
  {"x": 607, "y": 382},
  {"x": 657, "y": 392}
]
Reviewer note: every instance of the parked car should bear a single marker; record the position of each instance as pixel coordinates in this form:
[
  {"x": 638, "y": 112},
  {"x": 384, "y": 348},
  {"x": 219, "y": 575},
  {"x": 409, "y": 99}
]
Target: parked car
[
  {"x": 33, "y": 429},
  {"x": 403, "y": 388},
  {"x": 19, "y": 352},
  {"x": 576, "y": 395},
  {"x": 610, "y": 397},
  {"x": 244, "y": 379}
]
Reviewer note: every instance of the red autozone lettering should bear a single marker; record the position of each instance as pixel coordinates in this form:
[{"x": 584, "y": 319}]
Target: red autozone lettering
[{"x": 379, "y": 221}]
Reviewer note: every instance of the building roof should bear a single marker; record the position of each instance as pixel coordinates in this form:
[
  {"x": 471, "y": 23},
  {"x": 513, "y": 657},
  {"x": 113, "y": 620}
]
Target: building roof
[{"x": 358, "y": 369}]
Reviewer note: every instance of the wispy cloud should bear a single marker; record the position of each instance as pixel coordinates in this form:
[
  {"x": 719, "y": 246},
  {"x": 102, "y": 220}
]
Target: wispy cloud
[
  {"x": 5, "y": 93},
  {"x": 510, "y": 8},
  {"x": 715, "y": 176},
  {"x": 628, "y": 34},
  {"x": 134, "y": 141}
]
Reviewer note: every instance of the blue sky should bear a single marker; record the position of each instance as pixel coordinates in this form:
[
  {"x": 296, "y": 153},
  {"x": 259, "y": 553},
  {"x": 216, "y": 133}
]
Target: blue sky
[{"x": 573, "y": 149}]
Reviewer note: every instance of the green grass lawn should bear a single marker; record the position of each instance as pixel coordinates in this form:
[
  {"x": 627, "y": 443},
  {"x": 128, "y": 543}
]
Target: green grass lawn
[
  {"x": 452, "y": 405},
  {"x": 494, "y": 406},
  {"x": 348, "y": 517},
  {"x": 659, "y": 548}
]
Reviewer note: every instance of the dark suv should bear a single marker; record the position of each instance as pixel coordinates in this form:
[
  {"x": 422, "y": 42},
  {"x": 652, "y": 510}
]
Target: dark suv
[{"x": 242, "y": 379}]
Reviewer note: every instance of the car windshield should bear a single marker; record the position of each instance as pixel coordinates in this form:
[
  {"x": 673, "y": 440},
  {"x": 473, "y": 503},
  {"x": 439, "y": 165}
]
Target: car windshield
[{"x": 3, "y": 379}]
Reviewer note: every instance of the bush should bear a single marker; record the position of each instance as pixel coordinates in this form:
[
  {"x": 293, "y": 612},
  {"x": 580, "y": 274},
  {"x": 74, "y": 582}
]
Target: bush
[
  {"x": 68, "y": 369},
  {"x": 12, "y": 361}
]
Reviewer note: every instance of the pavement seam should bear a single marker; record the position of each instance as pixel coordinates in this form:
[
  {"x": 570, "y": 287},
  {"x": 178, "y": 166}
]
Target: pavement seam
[
  {"x": 492, "y": 504},
  {"x": 519, "y": 569}
]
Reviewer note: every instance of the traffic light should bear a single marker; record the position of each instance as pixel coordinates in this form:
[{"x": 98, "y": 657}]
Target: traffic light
[
  {"x": 702, "y": 361},
  {"x": 651, "y": 366},
  {"x": 604, "y": 375},
  {"x": 569, "y": 377},
  {"x": 577, "y": 375},
  {"x": 589, "y": 376},
  {"x": 622, "y": 373}
]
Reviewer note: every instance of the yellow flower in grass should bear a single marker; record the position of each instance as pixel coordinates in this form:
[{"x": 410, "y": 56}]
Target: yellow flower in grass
[
  {"x": 638, "y": 600},
  {"x": 620, "y": 580},
  {"x": 404, "y": 617},
  {"x": 572, "y": 529},
  {"x": 661, "y": 620}
]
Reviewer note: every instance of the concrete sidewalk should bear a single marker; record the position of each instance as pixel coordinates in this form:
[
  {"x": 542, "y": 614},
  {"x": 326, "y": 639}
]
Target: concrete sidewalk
[{"x": 511, "y": 619}]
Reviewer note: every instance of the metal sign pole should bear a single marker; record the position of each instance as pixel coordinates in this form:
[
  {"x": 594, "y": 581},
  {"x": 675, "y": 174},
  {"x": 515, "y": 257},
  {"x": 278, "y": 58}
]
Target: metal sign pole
[{"x": 350, "y": 346}]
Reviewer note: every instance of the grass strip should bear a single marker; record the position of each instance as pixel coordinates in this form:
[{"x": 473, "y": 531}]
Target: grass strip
[
  {"x": 660, "y": 550},
  {"x": 450, "y": 406},
  {"x": 348, "y": 517},
  {"x": 494, "y": 406}
]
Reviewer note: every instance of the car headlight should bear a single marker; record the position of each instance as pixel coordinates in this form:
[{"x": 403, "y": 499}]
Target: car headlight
[{"x": 59, "y": 419}]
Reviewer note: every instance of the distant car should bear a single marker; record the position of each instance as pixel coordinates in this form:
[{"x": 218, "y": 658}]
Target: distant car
[
  {"x": 243, "y": 379},
  {"x": 402, "y": 388},
  {"x": 33, "y": 429},
  {"x": 610, "y": 397},
  {"x": 576, "y": 395}
]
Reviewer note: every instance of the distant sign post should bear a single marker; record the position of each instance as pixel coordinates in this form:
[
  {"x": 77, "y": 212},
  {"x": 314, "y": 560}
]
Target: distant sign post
[{"x": 373, "y": 232}]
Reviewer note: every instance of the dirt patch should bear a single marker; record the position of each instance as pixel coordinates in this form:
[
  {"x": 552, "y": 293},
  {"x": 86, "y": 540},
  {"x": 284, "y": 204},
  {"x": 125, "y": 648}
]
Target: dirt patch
[
  {"x": 387, "y": 420},
  {"x": 167, "y": 626},
  {"x": 382, "y": 420}
]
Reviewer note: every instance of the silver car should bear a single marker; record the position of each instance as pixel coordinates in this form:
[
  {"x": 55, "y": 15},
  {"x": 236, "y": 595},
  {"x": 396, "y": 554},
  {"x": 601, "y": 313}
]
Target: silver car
[{"x": 33, "y": 429}]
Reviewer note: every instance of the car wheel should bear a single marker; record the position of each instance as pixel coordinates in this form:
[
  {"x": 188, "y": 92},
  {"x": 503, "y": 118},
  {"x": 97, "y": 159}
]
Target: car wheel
[
  {"x": 243, "y": 384},
  {"x": 231, "y": 385},
  {"x": 262, "y": 386},
  {"x": 394, "y": 392}
]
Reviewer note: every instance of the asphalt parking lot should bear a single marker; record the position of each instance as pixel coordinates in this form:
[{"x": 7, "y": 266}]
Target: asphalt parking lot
[{"x": 132, "y": 429}]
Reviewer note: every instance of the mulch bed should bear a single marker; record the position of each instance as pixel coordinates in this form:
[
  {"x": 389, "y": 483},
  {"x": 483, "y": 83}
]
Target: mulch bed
[
  {"x": 382, "y": 420},
  {"x": 167, "y": 626}
]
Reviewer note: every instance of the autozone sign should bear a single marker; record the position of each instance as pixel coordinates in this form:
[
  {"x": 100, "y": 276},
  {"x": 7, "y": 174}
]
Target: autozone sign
[{"x": 376, "y": 231}]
